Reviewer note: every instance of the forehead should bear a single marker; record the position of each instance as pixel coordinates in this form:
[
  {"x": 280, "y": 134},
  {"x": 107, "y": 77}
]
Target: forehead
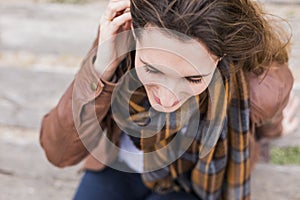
[{"x": 158, "y": 47}]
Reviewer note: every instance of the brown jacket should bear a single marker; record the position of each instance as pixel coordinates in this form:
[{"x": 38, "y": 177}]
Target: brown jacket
[{"x": 70, "y": 132}]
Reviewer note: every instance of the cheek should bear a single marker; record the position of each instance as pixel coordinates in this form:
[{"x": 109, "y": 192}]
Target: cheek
[
  {"x": 146, "y": 78},
  {"x": 196, "y": 90},
  {"x": 140, "y": 73}
]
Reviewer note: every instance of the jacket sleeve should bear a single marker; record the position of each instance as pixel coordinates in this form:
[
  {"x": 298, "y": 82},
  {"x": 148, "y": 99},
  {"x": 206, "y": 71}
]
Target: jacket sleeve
[
  {"x": 73, "y": 127},
  {"x": 269, "y": 94}
]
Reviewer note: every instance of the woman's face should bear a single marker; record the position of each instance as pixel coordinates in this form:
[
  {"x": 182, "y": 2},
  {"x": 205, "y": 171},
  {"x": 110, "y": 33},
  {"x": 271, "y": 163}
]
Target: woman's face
[{"x": 171, "y": 70}]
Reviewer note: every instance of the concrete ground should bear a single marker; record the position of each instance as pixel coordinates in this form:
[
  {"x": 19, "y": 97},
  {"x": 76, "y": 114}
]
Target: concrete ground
[{"x": 41, "y": 47}]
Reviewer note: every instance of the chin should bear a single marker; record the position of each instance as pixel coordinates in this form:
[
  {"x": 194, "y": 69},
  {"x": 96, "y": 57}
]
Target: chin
[{"x": 165, "y": 110}]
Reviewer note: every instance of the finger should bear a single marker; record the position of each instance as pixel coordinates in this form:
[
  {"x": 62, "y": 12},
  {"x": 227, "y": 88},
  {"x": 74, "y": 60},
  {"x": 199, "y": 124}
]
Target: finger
[
  {"x": 109, "y": 29},
  {"x": 127, "y": 25},
  {"x": 120, "y": 20},
  {"x": 114, "y": 7}
]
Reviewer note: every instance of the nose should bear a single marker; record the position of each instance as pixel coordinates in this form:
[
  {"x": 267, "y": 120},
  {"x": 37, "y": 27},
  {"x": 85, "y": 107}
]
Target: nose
[{"x": 167, "y": 98}]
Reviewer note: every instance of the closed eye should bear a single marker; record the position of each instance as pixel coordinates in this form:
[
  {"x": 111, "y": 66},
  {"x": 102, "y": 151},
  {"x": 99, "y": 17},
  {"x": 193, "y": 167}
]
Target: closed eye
[
  {"x": 152, "y": 70},
  {"x": 192, "y": 80}
]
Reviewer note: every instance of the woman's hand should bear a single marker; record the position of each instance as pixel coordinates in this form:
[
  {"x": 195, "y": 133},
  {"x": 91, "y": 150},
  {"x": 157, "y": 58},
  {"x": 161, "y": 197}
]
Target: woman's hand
[
  {"x": 290, "y": 122},
  {"x": 113, "y": 41}
]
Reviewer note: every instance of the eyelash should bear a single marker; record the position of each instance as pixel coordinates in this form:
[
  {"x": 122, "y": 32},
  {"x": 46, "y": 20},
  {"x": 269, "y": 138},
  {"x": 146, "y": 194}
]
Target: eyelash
[
  {"x": 195, "y": 81},
  {"x": 150, "y": 70},
  {"x": 157, "y": 72}
]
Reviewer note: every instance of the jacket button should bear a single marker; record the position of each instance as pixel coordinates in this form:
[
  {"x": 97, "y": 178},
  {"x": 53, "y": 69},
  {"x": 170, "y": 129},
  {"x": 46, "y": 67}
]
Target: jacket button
[{"x": 94, "y": 86}]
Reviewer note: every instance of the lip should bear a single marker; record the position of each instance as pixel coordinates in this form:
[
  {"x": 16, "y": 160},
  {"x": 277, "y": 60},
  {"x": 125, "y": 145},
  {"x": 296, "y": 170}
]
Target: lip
[
  {"x": 157, "y": 99},
  {"x": 175, "y": 103}
]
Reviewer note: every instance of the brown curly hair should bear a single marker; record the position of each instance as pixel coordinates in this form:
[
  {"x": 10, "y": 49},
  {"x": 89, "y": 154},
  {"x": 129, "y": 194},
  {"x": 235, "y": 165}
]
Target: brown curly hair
[{"x": 239, "y": 29}]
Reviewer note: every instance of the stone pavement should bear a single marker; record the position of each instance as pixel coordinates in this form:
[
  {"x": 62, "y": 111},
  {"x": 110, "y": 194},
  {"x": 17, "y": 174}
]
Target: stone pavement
[
  {"x": 26, "y": 94},
  {"x": 41, "y": 46},
  {"x": 24, "y": 171}
]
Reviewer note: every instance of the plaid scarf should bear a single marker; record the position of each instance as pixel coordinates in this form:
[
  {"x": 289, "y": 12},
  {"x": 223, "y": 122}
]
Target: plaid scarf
[{"x": 207, "y": 138}]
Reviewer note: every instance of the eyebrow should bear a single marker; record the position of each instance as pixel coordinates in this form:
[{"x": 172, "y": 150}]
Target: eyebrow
[{"x": 194, "y": 76}]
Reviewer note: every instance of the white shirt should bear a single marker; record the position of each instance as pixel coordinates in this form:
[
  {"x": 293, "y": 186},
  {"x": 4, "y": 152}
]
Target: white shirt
[{"x": 130, "y": 154}]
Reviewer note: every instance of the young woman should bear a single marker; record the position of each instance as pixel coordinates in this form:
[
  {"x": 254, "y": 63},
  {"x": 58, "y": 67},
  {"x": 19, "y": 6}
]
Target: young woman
[{"x": 171, "y": 99}]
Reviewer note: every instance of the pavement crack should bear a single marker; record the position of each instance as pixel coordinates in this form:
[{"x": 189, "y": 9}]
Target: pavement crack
[
  {"x": 6, "y": 172},
  {"x": 10, "y": 101}
]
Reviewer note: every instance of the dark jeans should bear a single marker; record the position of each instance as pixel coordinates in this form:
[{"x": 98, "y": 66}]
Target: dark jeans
[{"x": 110, "y": 184}]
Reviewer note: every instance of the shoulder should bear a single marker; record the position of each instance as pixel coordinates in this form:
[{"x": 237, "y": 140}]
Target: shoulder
[{"x": 269, "y": 92}]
